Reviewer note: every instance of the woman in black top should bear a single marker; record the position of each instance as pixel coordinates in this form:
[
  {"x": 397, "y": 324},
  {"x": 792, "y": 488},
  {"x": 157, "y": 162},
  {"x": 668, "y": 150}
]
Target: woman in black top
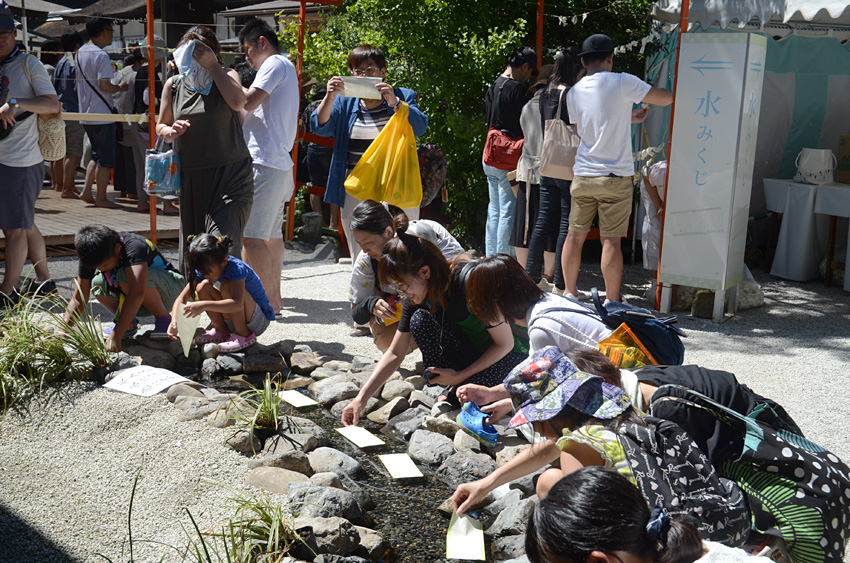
[
  {"x": 554, "y": 211},
  {"x": 456, "y": 347}
]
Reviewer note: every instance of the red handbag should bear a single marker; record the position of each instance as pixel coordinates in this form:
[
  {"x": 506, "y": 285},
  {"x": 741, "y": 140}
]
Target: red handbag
[{"x": 502, "y": 151}]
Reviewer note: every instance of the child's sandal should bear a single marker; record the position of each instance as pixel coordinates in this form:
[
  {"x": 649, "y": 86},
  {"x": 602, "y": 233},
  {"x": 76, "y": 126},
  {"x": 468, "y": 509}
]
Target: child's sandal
[
  {"x": 212, "y": 336},
  {"x": 237, "y": 343},
  {"x": 471, "y": 420}
]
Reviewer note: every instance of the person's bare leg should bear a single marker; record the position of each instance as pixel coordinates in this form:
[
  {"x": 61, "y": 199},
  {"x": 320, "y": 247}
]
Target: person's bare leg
[
  {"x": 549, "y": 265},
  {"x": 276, "y": 251},
  {"x": 56, "y": 173},
  {"x": 102, "y": 179},
  {"x": 239, "y": 318},
  {"x": 37, "y": 253},
  {"x": 571, "y": 260},
  {"x": 547, "y": 480},
  {"x": 612, "y": 267},
  {"x": 521, "y": 255},
  {"x": 168, "y": 208},
  {"x": 152, "y": 301},
  {"x": 16, "y": 256},
  {"x": 334, "y": 217},
  {"x": 207, "y": 292},
  {"x": 108, "y": 303},
  {"x": 256, "y": 254},
  {"x": 86, "y": 194},
  {"x": 69, "y": 171}
]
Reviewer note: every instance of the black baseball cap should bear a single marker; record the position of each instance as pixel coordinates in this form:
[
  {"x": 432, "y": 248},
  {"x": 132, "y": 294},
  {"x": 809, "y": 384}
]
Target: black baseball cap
[
  {"x": 7, "y": 21},
  {"x": 598, "y": 43}
]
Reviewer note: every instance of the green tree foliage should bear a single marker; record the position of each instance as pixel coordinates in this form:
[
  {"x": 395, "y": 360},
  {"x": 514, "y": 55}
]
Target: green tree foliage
[{"x": 449, "y": 51}]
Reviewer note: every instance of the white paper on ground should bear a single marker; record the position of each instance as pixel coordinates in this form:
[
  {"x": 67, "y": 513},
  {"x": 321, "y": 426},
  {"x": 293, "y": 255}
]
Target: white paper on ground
[
  {"x": 297, "y": 399},
  {"x": 361, "y": 437},
  {"x": 144, "y": 380},
  {"x": 186, "y": 328},
  {"x": 400, "y": 466},
  {"x": 465, "y": 539},
  {"x": 361, "y": 87}
]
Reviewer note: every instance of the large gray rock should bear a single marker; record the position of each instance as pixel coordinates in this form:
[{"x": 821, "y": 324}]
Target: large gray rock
[
  {"x": 293, "y": 460},
  {"x": 193, "y": 410},
  {"x": 393, "y": 389},
  {"x": 418, "y": 398},
  {"x": 274, "y": 479},
  {"x": 465, "y": 443},
  {"x": 284, "y": 442},
  {"x": 402, "y": 426},
  {"x": 527, "y": 483},
  {"x": 361, "y": 363},
  {"x": 301, "y": 425},
  {"x": 513, "y": 519},
  {"x": 372, "y": 545},
  {"x": 371, "y": 405},
  {"x": 464, "y": 467},
  {"x": 209, "y": 369},
  {"x": 508, "y": 448},
  {"x": 429, "y": 448},
  {"x": 188, "y": 389},
  {"x": 309, "y": 499},
  {"x": 324, "y": 373},
  {"x": 337, "y": 365},
  {"x": 353, "y": 558},
  {"x": 440, "y": 425},
  {"x": 336, "y": 393},
  {"x": 417, "y": 381},
  {"x": 361, "y": 495},
  {"x": 326, "y": 479},
  {"x": 296, "y": 382},
  {"x": 383, "y": 414},
  {"x": 447, "y": 509},
  {"x": 510, "y": 498},
  {"x": 334, "y": 535},
  {"x": 229, "y": 364},
  {"x": 244, "y": 442},
  {"x": 263, "y": 363},
  {"x": 508, "y": 547},
  {"x": 318, "y": 386},
  {"x": 151, "y": 357},
  {"x": 304, "y": 363},
  {"x": 329, "y": 459}
]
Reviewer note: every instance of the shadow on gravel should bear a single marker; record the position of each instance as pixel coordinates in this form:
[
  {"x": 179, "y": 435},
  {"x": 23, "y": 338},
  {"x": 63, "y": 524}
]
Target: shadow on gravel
[{"x": 23, "y": 543}]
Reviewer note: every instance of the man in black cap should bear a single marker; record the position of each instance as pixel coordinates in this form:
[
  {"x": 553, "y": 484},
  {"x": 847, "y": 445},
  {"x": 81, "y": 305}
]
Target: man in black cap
[{"x": 600, "y": 105}]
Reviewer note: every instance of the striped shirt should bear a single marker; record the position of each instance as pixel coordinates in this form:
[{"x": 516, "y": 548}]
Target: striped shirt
[{"x": 366, "y": 127}]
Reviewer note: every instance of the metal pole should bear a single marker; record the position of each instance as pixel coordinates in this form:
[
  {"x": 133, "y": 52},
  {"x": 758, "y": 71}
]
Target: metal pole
[
  {"x": 667, "y": 291},
  {"x": 299, "y": 62},
  {"x": 151, "y": 106},
  {"x": 24, "y": 21},
  {"x": 539, "y": 33}
]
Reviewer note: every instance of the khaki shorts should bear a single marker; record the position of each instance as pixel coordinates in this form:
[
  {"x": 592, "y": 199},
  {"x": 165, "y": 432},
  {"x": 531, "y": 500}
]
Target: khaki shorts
[
  {"x": 610, "y": 197},
  {"x": 74, "y": 134},
  {"x": 169, "y": 283}
]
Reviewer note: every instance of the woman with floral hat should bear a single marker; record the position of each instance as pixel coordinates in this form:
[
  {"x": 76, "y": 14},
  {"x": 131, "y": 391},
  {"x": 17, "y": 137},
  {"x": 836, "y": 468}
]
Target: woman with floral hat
[{"x": 585, "y": 422}]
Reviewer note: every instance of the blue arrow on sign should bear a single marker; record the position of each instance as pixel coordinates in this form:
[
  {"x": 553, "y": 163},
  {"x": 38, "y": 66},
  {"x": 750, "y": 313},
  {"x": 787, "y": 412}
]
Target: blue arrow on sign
[{"x": 701, "y": 64}]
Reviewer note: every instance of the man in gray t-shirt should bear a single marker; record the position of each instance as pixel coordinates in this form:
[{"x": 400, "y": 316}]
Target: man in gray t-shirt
[
  {"x": 94, "y": 93},
  {"x": 600, "y": 105},
  {"x": 25, "y": 91}
]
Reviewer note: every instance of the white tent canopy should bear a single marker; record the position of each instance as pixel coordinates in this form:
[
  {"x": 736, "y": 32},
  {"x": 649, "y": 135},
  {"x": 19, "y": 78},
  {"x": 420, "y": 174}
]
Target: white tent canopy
[{"x": 741, "y": 12}]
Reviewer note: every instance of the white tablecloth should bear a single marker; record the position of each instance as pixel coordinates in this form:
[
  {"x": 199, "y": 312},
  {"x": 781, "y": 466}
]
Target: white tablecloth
[
  {"x": 835, "y": 200},
  {"x": 801, "y": 245}
]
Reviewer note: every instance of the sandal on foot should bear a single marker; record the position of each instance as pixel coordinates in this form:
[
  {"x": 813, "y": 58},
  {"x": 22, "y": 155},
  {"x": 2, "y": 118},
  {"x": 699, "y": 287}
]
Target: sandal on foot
[
  {"x": 471, "y": 420},
  {"x": 212, "y": 336},
  {"x": 237, "y": 343}
]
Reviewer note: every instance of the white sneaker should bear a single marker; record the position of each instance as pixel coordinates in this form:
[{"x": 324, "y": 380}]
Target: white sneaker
[
  {"x": 622, "y": 300},
  {"x": 545, "y": 285},
  {"x": 571, "y": 297},
  {"x": 557, "y": 291}
]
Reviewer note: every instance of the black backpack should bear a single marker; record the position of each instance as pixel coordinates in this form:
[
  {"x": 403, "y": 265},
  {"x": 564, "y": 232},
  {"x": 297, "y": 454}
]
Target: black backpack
[{"x": 661, "y": 338}]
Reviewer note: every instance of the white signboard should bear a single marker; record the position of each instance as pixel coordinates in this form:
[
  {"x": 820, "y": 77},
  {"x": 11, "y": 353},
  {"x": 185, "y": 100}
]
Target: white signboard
[
  {"x": 715, "y": 127},
  {"x": 143, "y": 380}
]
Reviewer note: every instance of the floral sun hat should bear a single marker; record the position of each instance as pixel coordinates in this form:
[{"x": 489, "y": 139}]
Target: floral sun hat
[{"x": 543, "y": 384}]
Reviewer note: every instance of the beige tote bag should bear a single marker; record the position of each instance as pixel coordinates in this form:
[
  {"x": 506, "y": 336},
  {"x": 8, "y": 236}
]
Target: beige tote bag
[{"x": 560, "y": 143}]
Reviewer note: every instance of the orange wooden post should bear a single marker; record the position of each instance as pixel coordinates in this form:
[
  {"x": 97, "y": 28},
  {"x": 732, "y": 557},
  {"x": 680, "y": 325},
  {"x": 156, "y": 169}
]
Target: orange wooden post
[
  {"x": 683, "y": 28},
  {"x": 151, "y": 107}
]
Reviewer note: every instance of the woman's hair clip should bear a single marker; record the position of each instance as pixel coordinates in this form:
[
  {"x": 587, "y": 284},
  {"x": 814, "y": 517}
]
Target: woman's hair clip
[
  {"x": 190, "y": 238},
  {"x": 655, "y": 528}
]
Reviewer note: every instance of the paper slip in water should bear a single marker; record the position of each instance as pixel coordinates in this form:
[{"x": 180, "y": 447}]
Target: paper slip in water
[
  {"x": 297, "y": 399},
  {"x": 361, "y": 87},
  {"x": 143, "y": 380},
  {"x": 400, "y": 466},
  {"x": 465, "y": 539},
  {"x": 361, "y": 437},
  {"x": 186, "y": 328}
]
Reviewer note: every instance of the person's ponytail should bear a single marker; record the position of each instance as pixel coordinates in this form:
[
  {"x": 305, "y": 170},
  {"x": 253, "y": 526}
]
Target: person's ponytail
[
  {"x": 374, "y": 217},
  {"x": 401, "y": 224},
  {"x": 681, "y": 542}
]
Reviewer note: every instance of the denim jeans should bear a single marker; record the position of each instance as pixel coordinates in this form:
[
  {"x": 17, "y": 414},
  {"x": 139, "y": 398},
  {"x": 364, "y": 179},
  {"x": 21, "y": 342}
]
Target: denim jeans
[
  {"x": 500, "y": 212},
  {"x": 553, "y": 216}
]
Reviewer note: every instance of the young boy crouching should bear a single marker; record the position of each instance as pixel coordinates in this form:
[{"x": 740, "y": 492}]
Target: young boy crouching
[{"x": 129, "y": 276}]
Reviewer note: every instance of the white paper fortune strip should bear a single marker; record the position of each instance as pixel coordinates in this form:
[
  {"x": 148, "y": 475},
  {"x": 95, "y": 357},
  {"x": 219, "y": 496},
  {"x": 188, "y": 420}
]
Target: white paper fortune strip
[
  {"x": 361, "y": 87},
  {"x": 400, "y": 466},
  {"x": 186, "y": 328},
  {"x": 465, "y": 539},
  {"x": 361, "y": 437},
  {"x": 297, "y": 399}
]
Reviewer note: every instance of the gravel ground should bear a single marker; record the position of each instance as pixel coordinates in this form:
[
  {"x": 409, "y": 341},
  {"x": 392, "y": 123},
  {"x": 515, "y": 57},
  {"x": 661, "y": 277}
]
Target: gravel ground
[{"x": 68, "y": 459}]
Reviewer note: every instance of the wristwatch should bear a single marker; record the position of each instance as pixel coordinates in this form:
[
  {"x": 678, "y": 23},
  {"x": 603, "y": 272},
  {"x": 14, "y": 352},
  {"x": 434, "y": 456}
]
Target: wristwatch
[
  {"x": 14, "y": 103},
  {"x": 397, "y": 104}
]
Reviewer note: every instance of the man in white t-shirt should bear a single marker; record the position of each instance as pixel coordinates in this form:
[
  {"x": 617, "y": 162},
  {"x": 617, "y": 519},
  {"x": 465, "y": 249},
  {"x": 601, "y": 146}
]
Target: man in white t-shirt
[
  {"x": 271, "y": 123},
  {"x": 600, "y": 105},
  {"x": 94, "y": 94}
]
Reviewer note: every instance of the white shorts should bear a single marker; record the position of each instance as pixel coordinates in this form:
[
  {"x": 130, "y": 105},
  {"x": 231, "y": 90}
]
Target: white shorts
[{"x": 272, "y": 189}]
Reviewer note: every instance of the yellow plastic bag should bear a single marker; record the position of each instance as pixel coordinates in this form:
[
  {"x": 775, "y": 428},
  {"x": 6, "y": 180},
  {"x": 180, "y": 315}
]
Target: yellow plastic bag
[
  {"x": 625, "y": 350},
  {"x": 389, "y": 169}
]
